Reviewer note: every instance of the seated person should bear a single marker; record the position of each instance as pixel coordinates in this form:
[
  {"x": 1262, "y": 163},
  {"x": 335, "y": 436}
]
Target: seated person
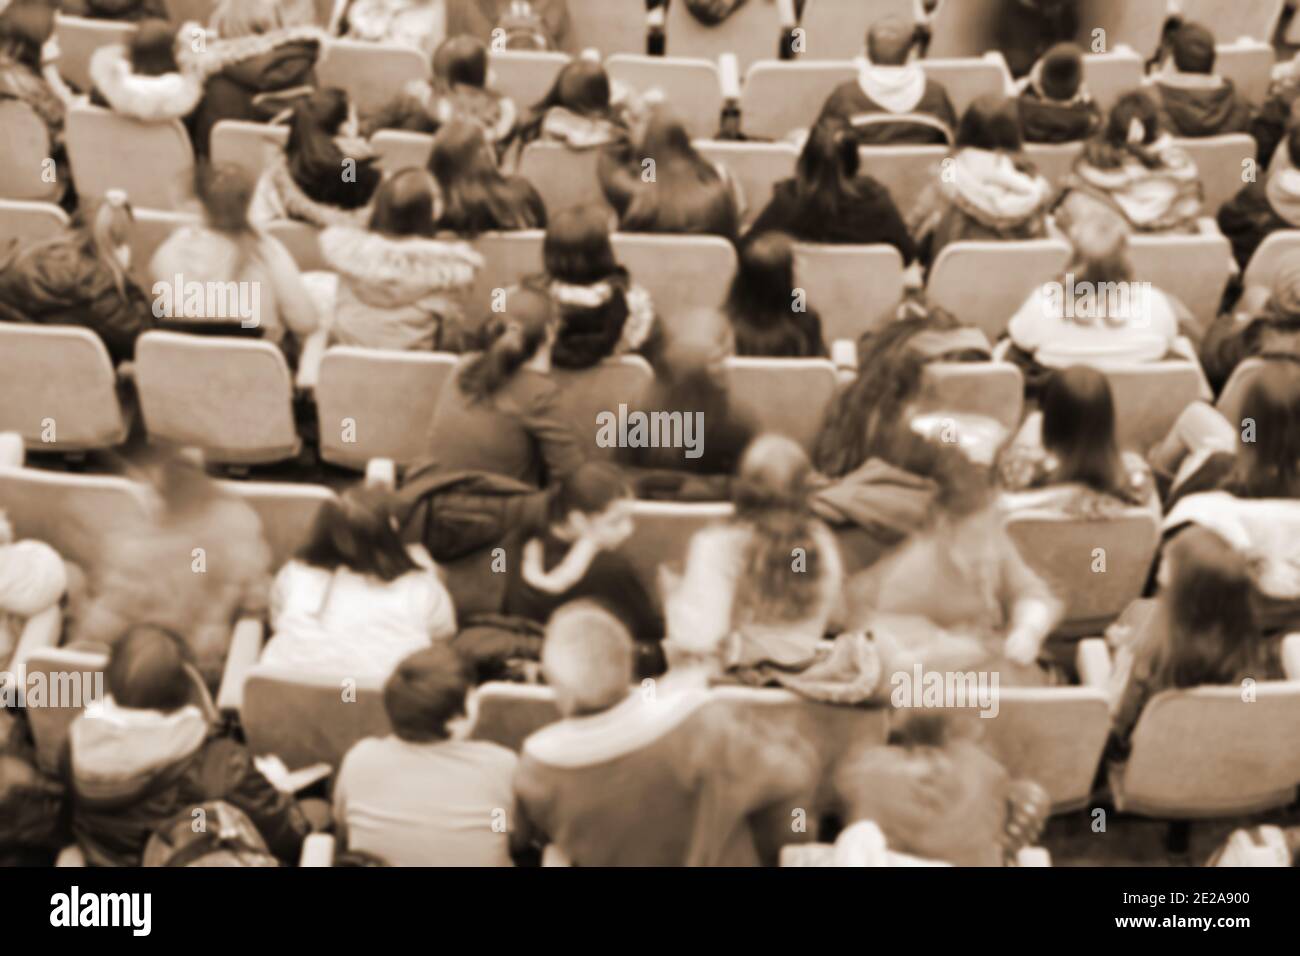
[
  {"x": 33, "y": 578},
  {"x": 1066, "y": 455},
  {"x": 150, "y": 752},
  {"x": 679, "y": 780},
  {"x": 355, "y": 600},
  {"x": 141, "y": 78},
  {"x": 1194, "y": 100},
  {"x": 578, "y": 110},
  {"x": 1054, "y": 103},
  {"x": 578, "y": 557},
  {"x": 425, "y": 795},
  {"x": 418, "y": 24},
  {"x": 1265, "y": 206},
  {"x": 1265, "y": 324},
  {"x": 892, "y": 100},
  {"x": 476, "y": 196},
  {"x": 769, "y": 314}
]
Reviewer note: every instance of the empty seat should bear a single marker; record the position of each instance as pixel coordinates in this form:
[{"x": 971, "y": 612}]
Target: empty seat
[
  {"x": 778, "y": 97},
  {"x": 507, "y": 258},
  {"x": 24, "y": 151},
  {"x": 787, "y": 396},
  {"x": 1150, "y": 397},
  {"x": 524, "y": 76},
  {"x": 962, "y": 279},
  {"x": 73, "y": 680},
  {"x": 1276, "y": 249},
  {"x": 30, "y": 221},
  {"x": 692, "y": 86},
  {"x": 1195, "y": 268},
  {"x": 287, "y": 510},
  {"x": 681, "y": 273},
  {"x": 399, "y": 149},
  {"x": 662, "y": 535},
  {"x": 853, "y": 288},
  {"x": 1096, "y": 567},
  {"x": 252, "y": 146},
  {"x": 993, "y": 389},
  {"x": 152, "y": 162},
  {"x": 373, "y": 403},
  {"x": 302, "y": 239},
  {"x": 1234, "y": 390},
  {"x": 586, "y": 393},
  {"x": 610, "y": 26},
  {"x": 1249, "y": 64},
  {"x": 752, "y": 33},
  {"x": 1109, "y": 76},
  {"x": 373, "y": 74},
  {"x": 563, "y": 177},
  {"x": 970, "y": 77},
  {"x": 79, "y": 38},
  {"x": 149, "y": 231},
  {"x": 1054, "y": 161},
  {"x": 230, "y": 397},
  {"x": 1220, "y": 160},
  {"x": 758, "y": 167},
  {"x": 837, "y": 29},
  {"x": 58, "y": 389}
]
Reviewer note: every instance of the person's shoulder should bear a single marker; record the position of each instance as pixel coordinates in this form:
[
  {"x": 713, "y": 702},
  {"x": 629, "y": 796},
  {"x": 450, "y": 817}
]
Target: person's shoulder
[{"x": 491, "y": 755}]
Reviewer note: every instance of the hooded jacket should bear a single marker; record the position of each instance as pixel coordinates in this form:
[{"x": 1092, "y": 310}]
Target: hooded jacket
[
  {"x": 1259, "y": 210},
  {"x": 396, "y": 293},
  {"x": 1167, "y": 198},
  {"x": 131, "y": 770},
  {"x": 684, "y": 779},
  {"x": 1044, "y": 120},
  {"x": 866, "y": 216},
  {"x": 64, "y": 283},
  {"x": 1200, "y": 104},
  {"x": 606, "y": 318},
  {"x": 881, "y": 92},
  {"x": 424, "y": 107},
  {"x": 278, "y": 196},
  {"x": 152, "y": 99},
  {"x": 241, "y": 73}
]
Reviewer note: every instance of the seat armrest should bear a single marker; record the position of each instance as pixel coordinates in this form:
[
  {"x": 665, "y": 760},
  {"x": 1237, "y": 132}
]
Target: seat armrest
[
  {"x": 1033, "y": 856},
  {"x": 1093, "y": 660},
  {"x": 785, "y": 8},
  {"x": 1291, "y": 656},
  {"x": 71, "y": 855},
  {"x": 245, "y": 647},
  {"x": 12, "y": 450},
  {"x": 381, "y": 473},
  {"x": 729, "y": 77},
  {"x": 317, "y": 850},
  {"x": 41, "y": 631},
  {"x": 309, "y": 359}
]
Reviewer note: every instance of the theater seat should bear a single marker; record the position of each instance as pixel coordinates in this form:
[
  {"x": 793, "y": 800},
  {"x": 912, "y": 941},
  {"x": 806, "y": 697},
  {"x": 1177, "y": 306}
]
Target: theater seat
[
  {"x": 302, "y": 239},
  {"x": 58, "y": 389},
  {"x": 1054, "y": 161},
  {"x": 287, "y": 511},
  {"x": 1234, "y": 390},
  {"x": 1271, "y": 256},
  {"x": 681, "y": 273},
  {"x": 753, "y": 32},
  {"x": 985, "y": 283},
  {"x": 507, "y": 258},
  {"x": 251, "y": 146},
  {"x": 508, "y": 713},
  {"x": 152, "y": 162},
  {"x": 610, "y": 26},
  {"x": 149, "y": 231},
  {"x": 906, "y": 171},
  {"x": 586, "y": 393},
  {"x": 230, "y": 397},
  {"x": 563, "y": 177},
  {"x": 375, "y": 403},
  {"x": 1195, "y": 269},
  {"x": 1110, "y": 75},
  {"x": 786, "y": 396},
  {"x": 79, "y": 38},
  {"x": 1221, "y": 163},
  {"x": 853, "y": 288},
  {"x": 399, "y": 149},
  {"x": 837, "y": 29},
  {"x": 29, "y": 221},
  {"x": 1230, "y": 18},
  {"x": 992, "y": 389},
  {"x": 758, "y": 167},
  {"x": 663, "y": 533},
  {"x": 692, "y": 85},
  {"x": 524, "y": 76},
  {"x": 1150, "y": 397},
  {"x": 73, "y": 680},
  {"x": 1249, "y": 64},
  {"x": 373, "y": 74},
  {"x": 23, "y": 151},
  {"x": 1215, "y": 751}
]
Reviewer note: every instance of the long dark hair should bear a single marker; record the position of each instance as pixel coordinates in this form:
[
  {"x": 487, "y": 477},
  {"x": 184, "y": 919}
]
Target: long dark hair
[
  {"x": 358, "y": 532},
  {"x": 1079, "y": 430},
  {"x": 153, "y": 49},
  {"x": 1111, "y": 146},
  {"x": 577, "y": 251},
  {"x": 405, "y": 204},
  {"x": 24, "y": 28},
  {"x": 991, "y": 122},
  {"x": 512, "y": 338},
  {"x": 316, "y": 162},
  {"x": 461, "y": 61},
  {"x": 582, "y": 86},
  {"x": 476, "y": 197},
  {"x": 225, "y": 191},
  {"x": 827, "y": 170},
  {"x": 762, "y": 299},
  {"x": 1268, "y": 466}
]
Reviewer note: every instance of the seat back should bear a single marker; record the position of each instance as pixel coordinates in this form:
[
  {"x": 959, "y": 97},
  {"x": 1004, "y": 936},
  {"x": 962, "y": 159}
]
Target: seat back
[
  {"x": 969, "y": 77},
  {"x": 1095, "y": 567},
  {"x": 779, "y": 96},
  {"x": 1195, "y": 269},
  {"x": 149, "y": 231},
  {"x": 610, "y": 26},
  {"x": 662, "y": 535},
  {"x": 837, "y": 29},
  {"x": 1234, "y": 390},
  {"x": 58, "y": 388},
  {"x": 509, "y": 713},
  {"x": 74, "y": 514},
  {"x": 1206, "y": 752},
  {"x": 753, "y": 32},
  {"x": 231, "y": 397},
  {"x": 681, "y": 273},
  {"x": 399, "y": 149},
  {"x": 287, "y": 511},
  {"x": 190, "y": 11},
  {"x": 1231, "y": 20},
  {"x": 305, "y": 719},
  {"x": 1249, "y": 64},
  {"x": 71, "y": 681},
  {"x": 587, "y": 393},
  {"x": 1220, "y": 160},
  {"x": 507, "y": 258},
  {"x": 964, "y": 29},
  {"x": 24, "y": 149},
  {"x": 906, "y": 171},
  {"x": 251, "y": 146},
  {"x": 30, "y": 221},
  {"x": 563, "y": 177},
  {"x": 1149, "y": 398},
  {"x": 1110, "y": 75},
  {"x": 959, "y": 279},
  {"x": 373, "y": 403},
  {"x": 79, "y": 38},
  {"x": 786, "y": 396},
  {"x": 1276, "y": 249},
  {"x": 302, "y": 239},
  {"x": 524, "y": 75},
  {"x": 1054, "y": 161},
  {"x": 993, "y": 389},
  {"x": 373, "y": 74},
  {"x": 693, "y": 86},
  {"x": 758, "y": 167},
  {"x": 152, "y": 162},
  {"x": 853, "y": 288}
]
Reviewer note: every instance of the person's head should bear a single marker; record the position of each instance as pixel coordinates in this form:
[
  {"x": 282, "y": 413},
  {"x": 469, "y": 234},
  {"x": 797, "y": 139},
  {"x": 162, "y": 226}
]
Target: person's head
[
  {"x": 476, "y": 197},
  {"x": 425, "y": 692},
  {"x": 407, "y": 203},
  {"x": 315, "y": 157},
  {"x": 764, "y": 282},
  {"x": 1206, "y": 588},
  {"x": 225, "y": 192},
  {"x": 358, "y": 531},
  {"x": 594, "y": 499},
  {"x": 177, "y": 477},
  {"x": 1100, "y": 251},
  {"x": 1131, "y": 129},
  {"x": 1268, "y": 465},
  {"x": 587, "y": 659},
  {"x": 582, "y": 86},
  {"x": 461, "y": 61},
  {"x": 153, "y": 48},
  {"x": 1061, "y": 73},
  {"x": 1079, "y": 429},
  {"x": 889, "y": 41},
  {"x": 577, "y": 248},
  {"x": 110, "y": 230},
  {"x": 512, "y": 338},
  {"x": 241, "y": 18},
  {"x": 773, "y": 473},
  {"x": 991, "y": 122},
  {"x": 665, "y": 140},
  {"x": 827, "y": 167},
  {"x": 1194, "y": 49},
  {"x": 148, "y": 669},
  {"x": 25, "y": 27}
]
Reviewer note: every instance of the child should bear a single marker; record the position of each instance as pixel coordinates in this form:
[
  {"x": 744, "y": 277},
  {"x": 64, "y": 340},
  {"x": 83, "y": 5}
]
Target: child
[
  {"x": 1194, "y": 100},
  {"x": 1055, "y": 106}
]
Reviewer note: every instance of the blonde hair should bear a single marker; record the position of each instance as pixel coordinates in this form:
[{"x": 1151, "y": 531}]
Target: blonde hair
[
  {"x": 241, "y": 18},
  {"x": 587, "y": 658}
]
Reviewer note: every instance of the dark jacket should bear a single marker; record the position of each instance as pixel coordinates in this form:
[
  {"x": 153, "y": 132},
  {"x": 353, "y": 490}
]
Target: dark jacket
[
  {"x": 866, "y": 217},
  {"x": 242, "y": 76},
  {"x": 1050, "y": 121},
  {"x": 850, "y": 104},
  {"x": 789, "y": 334},
  {"x": 128, "y": 776},
  {"x": 1026, "y": 29},
  {"x": 1248, "y": 219},
  {"x": 63, "y": 283},
  {"x": 128, "y": 11},
  {"x": 1203, "y": 112}
]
